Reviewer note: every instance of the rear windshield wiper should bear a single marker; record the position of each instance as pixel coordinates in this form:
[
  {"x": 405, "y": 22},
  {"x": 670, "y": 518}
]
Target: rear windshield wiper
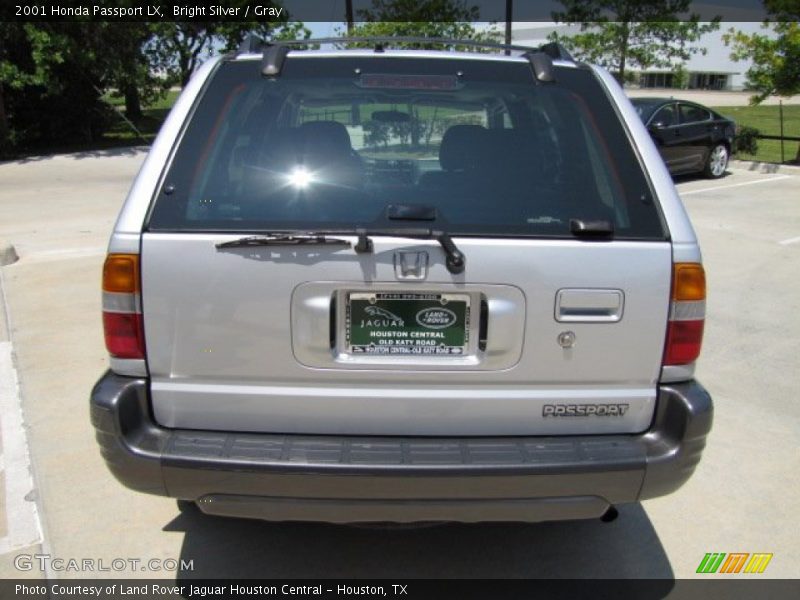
[
  {"x": 454, "y": 261},
  {"x": 284, "y": 239}
]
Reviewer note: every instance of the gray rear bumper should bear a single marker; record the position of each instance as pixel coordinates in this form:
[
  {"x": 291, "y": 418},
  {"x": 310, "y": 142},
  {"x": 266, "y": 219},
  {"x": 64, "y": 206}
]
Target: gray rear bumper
[{"x": 347, "y": 479}]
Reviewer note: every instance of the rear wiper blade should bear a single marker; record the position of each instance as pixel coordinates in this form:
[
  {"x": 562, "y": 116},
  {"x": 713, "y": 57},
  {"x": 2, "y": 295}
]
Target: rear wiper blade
[
  {"x": 284, "y": 239},
  {"x": 455, "y": 260},
  {"x": 280, "y": 239}
]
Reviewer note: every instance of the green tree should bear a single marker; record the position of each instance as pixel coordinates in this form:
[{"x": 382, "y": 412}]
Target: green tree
[
  {"x": 180, "y": 47},
  {"x": 618, "y": 34},
  {"x": 52, "y": 76},
  {"x": 775, "y": 59},
  {"x": 13, "y": 75},
  {"x": 28, "y": 55},
  {"x": 430, "y": 19},
  {"x": 132, "y": 71},
  {"x": 680, "y": 77}
]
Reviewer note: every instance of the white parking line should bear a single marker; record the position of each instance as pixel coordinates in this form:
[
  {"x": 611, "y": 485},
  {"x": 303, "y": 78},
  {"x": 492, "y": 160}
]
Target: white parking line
[
  {"x": 733, "y": 185},
  {"x": 64, "y": 254},
  {"x": 22, "y": 518},
  {"x": 793, "y": 240}
]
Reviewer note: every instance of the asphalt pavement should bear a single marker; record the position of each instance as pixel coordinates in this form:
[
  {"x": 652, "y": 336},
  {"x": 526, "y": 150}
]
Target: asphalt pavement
[{"x": 744, "y": 497}]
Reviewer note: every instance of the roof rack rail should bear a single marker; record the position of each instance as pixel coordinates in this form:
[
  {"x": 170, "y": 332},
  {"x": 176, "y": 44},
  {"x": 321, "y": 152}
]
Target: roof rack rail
[
  {"x": 251, "y": 43},
  {"x": 275, "y": 51}
]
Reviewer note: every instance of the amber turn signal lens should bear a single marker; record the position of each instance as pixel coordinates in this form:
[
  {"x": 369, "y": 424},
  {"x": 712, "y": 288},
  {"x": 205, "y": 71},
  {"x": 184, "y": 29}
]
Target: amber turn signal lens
[
  {"x": 688, "y": 282},
  {"x": 121, "y": 273}
]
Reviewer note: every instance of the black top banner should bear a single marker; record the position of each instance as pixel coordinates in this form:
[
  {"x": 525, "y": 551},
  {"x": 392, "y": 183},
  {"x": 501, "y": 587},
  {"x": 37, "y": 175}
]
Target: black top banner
[{"x": 262, "y": 11}]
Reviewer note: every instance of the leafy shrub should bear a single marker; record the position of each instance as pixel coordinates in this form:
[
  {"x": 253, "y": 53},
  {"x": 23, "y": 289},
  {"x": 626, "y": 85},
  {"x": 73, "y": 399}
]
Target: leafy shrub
[{"x": 746, "y": 140}]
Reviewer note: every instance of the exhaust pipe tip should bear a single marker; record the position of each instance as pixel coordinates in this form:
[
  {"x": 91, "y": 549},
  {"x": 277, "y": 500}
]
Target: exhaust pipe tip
[{"x": 610, "y": 515}]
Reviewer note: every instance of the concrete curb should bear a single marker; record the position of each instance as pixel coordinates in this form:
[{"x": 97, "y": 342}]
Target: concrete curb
[
  {"x": 765, "y": 167},
  {"x": 8, "y": 254}
]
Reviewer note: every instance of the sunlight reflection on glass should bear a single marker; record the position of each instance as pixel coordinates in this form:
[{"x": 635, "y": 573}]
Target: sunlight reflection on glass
[{"x": 300, "y": 177}]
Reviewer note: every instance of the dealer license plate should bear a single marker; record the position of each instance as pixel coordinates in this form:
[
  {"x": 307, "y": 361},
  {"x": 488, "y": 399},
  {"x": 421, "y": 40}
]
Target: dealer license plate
[{"x": 400, "y": 323}]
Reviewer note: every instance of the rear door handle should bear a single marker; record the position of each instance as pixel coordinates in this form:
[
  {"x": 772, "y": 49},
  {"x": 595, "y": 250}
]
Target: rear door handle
[{"x": 578, "y": 305}]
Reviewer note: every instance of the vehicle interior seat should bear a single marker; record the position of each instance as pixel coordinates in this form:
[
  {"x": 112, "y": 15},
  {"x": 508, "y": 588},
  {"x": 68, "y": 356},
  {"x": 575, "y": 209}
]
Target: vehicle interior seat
[
  {"x": 322, "y": 148},
  {"x": 460, "y": 154}
]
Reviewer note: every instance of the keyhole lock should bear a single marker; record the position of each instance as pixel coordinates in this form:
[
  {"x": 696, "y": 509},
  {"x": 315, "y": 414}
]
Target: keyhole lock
[{"x": 566, "y": 339}]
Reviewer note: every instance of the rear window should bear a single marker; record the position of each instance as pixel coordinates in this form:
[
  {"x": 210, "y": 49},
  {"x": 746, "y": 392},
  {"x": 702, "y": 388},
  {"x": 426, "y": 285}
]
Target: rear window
[
  {"x": 331, "y": 143},
  {"x": 693, "y": 114}
]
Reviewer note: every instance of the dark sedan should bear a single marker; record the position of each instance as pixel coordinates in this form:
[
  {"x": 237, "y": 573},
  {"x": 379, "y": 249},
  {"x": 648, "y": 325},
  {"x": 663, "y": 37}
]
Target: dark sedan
[{"x": 691, "y": 137}]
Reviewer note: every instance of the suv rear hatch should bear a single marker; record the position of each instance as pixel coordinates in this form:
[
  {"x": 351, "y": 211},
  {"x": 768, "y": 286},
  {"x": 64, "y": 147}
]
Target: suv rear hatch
[{"x": 555, "y": 325}]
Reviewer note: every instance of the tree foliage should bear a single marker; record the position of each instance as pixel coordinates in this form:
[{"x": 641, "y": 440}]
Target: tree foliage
[
  {"x": 51, "y": 80},
  {"x": 619, "y": 34},
  {"x": 134, "y": 73},
  {"x": 178, "y": 48},
  {"x": 775, "y": 58},
  {"x": 746, "y": 140},
  {"x": 54, "y": 75},
  {"x": 451, "y": 19}
]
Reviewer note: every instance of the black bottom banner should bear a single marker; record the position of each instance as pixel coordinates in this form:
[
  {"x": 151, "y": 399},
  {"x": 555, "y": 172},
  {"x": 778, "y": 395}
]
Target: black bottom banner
[{"x": 409, "y": 589}]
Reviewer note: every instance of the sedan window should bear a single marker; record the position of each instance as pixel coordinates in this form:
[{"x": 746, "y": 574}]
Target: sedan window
[
  {"x": 693, "y": 114},
  {"x": 665, "y": 117}
]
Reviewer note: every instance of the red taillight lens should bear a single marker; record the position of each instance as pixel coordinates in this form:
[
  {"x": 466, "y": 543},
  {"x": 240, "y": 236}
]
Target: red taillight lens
[
  {"x": 687, "y": 314},
  {"x": 123, "y": 333},
  {"x": 122, "y": 321},
  {"x": 684, "y": 340}
]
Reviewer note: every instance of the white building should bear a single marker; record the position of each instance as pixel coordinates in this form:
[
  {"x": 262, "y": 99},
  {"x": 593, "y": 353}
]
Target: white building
[{"x": 712, "y": 70}]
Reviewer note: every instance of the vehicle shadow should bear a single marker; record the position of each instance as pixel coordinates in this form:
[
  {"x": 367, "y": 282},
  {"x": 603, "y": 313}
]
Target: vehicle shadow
[
  {"x": 236, "y": 548},
  {"x": 687, "y": 177}
]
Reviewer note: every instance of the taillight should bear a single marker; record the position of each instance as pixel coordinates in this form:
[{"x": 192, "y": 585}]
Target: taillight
[
  {"x": 122, "y": 318},
  {"x": 687, "y": 314}
]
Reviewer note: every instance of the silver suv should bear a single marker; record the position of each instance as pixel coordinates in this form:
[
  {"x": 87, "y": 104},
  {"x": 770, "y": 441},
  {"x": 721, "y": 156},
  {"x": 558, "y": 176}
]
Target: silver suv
[{"x": 379, "y": 285}]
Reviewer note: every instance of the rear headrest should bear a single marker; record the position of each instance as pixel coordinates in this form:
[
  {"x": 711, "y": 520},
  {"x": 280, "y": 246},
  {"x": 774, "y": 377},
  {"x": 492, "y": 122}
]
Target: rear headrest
[
  {"x": 278, "y": 146},
  {"x": 324, "y": 135},
  {"x": 461, "y": 147}
]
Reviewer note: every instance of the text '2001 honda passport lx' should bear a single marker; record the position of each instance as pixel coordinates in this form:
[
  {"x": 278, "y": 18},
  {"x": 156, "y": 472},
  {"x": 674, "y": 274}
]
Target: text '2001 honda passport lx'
[{"x": 402, "y": 285}]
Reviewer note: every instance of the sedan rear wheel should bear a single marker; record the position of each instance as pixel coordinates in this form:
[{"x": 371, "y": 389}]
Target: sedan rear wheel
[{"x": 717, "y": 161}]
